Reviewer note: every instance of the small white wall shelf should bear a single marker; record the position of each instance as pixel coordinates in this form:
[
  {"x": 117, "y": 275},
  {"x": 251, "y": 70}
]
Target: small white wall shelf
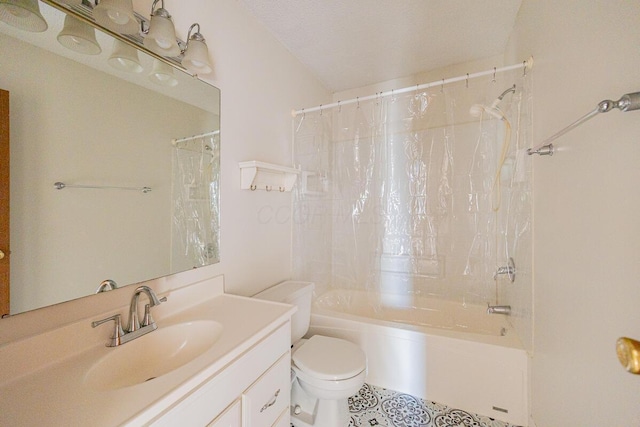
[{"x": 256, "y": 175}]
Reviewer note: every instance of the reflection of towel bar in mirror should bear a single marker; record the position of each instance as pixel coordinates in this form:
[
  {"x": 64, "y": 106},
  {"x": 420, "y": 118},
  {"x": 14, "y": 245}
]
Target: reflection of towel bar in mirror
[{"x": 60, "y": 185}]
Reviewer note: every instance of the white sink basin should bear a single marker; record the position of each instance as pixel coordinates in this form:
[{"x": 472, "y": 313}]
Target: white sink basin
[{"x": 152, "y": 355}]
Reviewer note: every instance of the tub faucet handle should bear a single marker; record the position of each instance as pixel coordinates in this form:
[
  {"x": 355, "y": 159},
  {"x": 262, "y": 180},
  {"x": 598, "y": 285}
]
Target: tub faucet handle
[{"x": 509, "y": 270}]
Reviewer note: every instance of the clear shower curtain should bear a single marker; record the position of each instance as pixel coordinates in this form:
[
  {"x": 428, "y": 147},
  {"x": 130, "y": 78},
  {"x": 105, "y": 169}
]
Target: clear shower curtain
[
  {"x": 413, "y": 194},
  {"x": 195, "y": 198}
]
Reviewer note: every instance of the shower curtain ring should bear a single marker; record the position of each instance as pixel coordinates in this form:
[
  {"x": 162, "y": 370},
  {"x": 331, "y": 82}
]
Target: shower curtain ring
[
  {"x": 320, "y": 110},
  {"x": 268, "y": 188},
  {"x": 339, "y": 107},
  {"x": 442, "y": 87},
  {"x": 357, "y": 102},
  {"x": 281, "y": 189},
  {"x": 494, "y": 75},
  {"x": 253, "y": 187},
  {"x": 467, "y": 81},
  {"x": 524, "y": 68}
]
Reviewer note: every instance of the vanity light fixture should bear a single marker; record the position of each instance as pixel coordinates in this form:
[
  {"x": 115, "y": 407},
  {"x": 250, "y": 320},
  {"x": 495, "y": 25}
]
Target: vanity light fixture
[
  {"x": 23, "y": 14},
  {"x": 196, "y": 53},
  {"x": 162, "y": 74},
  {"x": 79, "y": 36},
  {"x": 124, "y": 57},
  {"x": 161, "y": 37},
  {"x": 117, "y": 16}
]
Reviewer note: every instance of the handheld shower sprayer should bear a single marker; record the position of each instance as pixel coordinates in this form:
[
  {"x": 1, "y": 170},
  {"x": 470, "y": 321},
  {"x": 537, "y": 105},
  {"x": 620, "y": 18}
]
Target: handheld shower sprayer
[
  {"x": 476, "y": 110},
  {"x": 494, "y": 111}
]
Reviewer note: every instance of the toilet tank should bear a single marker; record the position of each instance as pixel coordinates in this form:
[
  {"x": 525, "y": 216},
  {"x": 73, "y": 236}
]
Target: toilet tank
[{"x": 294, "y": 293}]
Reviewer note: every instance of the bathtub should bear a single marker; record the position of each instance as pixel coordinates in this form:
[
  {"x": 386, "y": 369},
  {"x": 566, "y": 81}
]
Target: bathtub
[{"x": 437, "y": 350}]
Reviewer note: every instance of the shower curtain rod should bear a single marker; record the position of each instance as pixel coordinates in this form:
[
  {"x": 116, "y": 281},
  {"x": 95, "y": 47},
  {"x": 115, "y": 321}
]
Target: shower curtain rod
[
  {"x": 191, "y": 138},
  {"x": 525, "y": 65}
]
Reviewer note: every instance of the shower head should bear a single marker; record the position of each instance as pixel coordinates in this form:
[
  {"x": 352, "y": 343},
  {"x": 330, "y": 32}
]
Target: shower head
[{"x": 493, "y": 110}]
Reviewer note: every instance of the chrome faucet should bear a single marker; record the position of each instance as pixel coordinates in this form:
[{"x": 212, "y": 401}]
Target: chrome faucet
[
  {"x": 106, "y": 285},
  {"x": 135, "y": 329},
  {"x": 134, "y": 319}
]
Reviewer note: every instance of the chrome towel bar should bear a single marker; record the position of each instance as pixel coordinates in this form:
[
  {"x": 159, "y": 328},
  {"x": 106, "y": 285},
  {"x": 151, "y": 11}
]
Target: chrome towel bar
[
  {"x": 628, "y": 102},
  {"x": 61, "y": 185}
]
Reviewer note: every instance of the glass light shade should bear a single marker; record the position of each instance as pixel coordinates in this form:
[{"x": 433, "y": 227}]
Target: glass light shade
[
  {"x": 117, "y": 16},
  {"x": 162, "y": 74},
  {"x": 79, "y": 37},
  {"x": 196, "y": 57},
  {"x": 23, "y": 14},
  {"x": 161, "y": 38},
  {"x": 125, "y": 57}
]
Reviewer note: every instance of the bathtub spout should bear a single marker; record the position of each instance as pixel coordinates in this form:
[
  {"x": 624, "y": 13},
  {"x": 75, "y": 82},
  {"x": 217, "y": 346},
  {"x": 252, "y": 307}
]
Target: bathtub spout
[{"x": 499, "y": 309}]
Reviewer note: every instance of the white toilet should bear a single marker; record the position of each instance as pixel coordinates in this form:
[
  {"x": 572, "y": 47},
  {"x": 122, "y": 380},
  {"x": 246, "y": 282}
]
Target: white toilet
[{"x": 327, "y": 370}]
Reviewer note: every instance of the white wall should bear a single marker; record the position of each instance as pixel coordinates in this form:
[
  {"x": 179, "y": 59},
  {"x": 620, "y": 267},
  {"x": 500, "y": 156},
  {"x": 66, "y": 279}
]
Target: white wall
[
  {"x": 261, "y": 83},
  {"x": 586, "y": 201}
]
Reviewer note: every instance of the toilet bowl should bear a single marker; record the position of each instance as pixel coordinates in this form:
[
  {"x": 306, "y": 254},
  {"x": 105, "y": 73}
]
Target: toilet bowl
[
  {"x": 329, "y": 368},
  {"x": 326, "y": 371}
]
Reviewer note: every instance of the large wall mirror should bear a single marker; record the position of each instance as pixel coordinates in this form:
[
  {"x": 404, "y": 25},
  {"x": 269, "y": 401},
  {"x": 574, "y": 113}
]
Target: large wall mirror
[{"x": 114, "y": 170}]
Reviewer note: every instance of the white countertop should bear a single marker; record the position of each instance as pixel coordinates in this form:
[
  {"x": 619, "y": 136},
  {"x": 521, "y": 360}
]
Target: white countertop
[{"x": 39, "y": 392}]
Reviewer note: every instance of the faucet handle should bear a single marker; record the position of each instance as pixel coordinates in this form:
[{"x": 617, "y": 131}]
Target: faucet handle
[
  {"x": 509, "y": 270},
  {"x": 147, "y": 320},
  {"x": 118, "y": 333}
]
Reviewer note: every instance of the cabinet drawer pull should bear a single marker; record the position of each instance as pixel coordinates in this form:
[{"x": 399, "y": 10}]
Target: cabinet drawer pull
[{"x": 271, "y": 402}]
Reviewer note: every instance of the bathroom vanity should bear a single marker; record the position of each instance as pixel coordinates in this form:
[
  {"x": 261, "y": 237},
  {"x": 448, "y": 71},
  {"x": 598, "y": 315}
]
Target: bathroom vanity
[{"x": 214, "y": 360}]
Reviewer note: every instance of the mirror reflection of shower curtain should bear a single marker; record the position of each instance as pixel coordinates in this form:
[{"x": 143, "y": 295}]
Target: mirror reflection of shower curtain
[
  {"x": 404, "y": 186},
  {"x": 195, "y": 198}
]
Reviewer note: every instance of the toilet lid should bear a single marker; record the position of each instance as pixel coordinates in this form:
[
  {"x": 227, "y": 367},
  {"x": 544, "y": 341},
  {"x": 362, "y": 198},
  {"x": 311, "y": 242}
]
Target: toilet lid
[{"x": 327, "y": 358}]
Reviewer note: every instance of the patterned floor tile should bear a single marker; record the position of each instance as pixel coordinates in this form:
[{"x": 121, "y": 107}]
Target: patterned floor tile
[{"x": 375, "y": 406}]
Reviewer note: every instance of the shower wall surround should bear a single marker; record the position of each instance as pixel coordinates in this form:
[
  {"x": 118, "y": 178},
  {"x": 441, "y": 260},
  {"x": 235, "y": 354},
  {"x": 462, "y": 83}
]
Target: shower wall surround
[{"x": 413, "y": 195}]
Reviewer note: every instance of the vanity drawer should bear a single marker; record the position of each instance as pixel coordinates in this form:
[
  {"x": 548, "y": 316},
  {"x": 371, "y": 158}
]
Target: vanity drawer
[{"x": 264, "y": 401}]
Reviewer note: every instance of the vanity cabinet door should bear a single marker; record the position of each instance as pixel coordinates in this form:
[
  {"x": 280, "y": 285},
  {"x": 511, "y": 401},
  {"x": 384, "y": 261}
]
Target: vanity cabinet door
[
  {"x": 264, "y": 401},
  {"x": 284, "y": 420},
  {"x": 231, "y": 417}
]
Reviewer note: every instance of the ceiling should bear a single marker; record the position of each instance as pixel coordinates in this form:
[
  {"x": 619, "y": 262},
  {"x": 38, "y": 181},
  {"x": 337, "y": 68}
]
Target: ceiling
[{"x": 353, "y": 43}]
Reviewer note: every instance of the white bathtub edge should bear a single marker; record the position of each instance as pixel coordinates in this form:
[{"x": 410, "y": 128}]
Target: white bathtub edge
[{"x": 479, "y": 377}]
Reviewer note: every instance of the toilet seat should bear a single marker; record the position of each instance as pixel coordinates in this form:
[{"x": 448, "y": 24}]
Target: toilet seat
[{"x": 327, "y": 358}]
